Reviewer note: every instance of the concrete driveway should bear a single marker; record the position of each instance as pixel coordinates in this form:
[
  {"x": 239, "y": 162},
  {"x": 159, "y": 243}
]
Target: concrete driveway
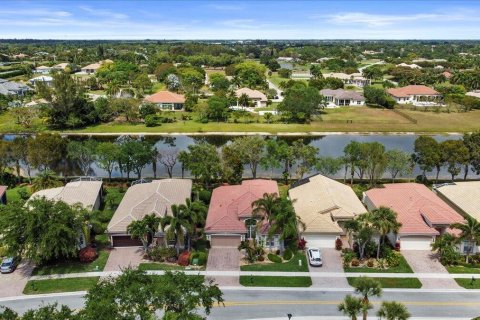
[
  {"x": 224, "y": 259},
  {"x": 427, "y": 262},
  {"x": 332, "y": 262},
  {"x": 12, "y": 284},
  {"x": 121, "y": 258}
]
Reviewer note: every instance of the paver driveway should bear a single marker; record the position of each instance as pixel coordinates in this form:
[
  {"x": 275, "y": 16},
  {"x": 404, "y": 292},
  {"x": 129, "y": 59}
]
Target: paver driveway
[
  {"x": 224, "y": 259},
  {"x": 121, "y": 258},
  {"x": 332, "y": 262},
  {"x": 426, "y": 262},
  {"x": 12, "y": 284}
]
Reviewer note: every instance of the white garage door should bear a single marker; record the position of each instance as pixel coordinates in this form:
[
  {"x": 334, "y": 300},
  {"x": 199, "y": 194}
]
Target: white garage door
[
  {"x": 415, "y": 243},
  {"x": 320, "y": 241}
]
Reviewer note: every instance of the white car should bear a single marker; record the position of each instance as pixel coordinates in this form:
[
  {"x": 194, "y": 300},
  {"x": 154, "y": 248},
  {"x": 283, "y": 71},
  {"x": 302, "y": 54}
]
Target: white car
[{"x": 315, "y": 257}]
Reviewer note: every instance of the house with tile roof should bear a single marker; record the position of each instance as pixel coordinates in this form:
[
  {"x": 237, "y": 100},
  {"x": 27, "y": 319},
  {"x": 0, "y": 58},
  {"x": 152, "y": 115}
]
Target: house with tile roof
[
  {"x": 230, "y": 219},
  {"x": 10, "y": 88},
  {"x": 354, "y": 79},
  {"x": 42, "y": 70},
  {"x": 167, "y": 100},
  {"x": 423, "y": 215},
  {"x": 341, "y": 97},
  {"x": 142, "y": 199},
  {"x": 415, "y": 94},
  {"x": 324, "y": 205},
  {"x": 258, "y": 98}
]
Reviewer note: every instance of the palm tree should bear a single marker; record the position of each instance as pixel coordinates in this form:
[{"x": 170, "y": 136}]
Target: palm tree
[
  {"x": 367, "y": 287},
  {"x": 196, "y": 214},
  {"x": 152, "y": 221},
  {"x": 393, "y": 311},
  {"x": 470, "y": 231},
  {"x": 268, "y": 117},
  {"x": 177, "y": 225},
  {"x": 351, "y": 307},
  {"x": 384, "y": 221},
  {"x": 139, "y": 229},
  {"x": 446, "y": 242},
  {"x": 265, "y": 206},
  {"x": 244, "y": 100},
  {"x": 45, "y": 180},
  {"x": 285, "y": 222}
]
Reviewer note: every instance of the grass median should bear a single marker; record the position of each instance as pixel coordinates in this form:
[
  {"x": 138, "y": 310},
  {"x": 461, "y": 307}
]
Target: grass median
[
  {"x": 60, "y": 285},
  {"x": 407, "y": 283},
  {"x": 468, "y": 283},
  {"x": 272, "y": 281},
  {"x": 289, "y": 266}
]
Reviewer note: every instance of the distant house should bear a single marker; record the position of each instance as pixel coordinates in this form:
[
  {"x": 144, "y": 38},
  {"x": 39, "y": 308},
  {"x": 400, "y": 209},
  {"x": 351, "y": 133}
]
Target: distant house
[
  {"x": 166, "y": 100},
  {"x": 47, "y": 80},
  {"x": 42, "y": 70},
  {"x": 324, "y": 205},
  {"x": 142, "y": 199},
  {"x": 257, "y": 97},
  {"x": 61, "y": 66},
  {"x": 475, "y": 94},
  {"x": 423, "y": 215},
  {"x": 3, "y": 194},
  {"x": 416, "y": 95},
  {"x": 355, "y": 79},
  {"x": 9, "y": 88},
  {"x": 411, "y": 66},
  {"x": 230, "y": 218},
  {"x": 447, "y": 74},
  {"x": 93, "y": 68},
  {"x": 340, "y": 97}
]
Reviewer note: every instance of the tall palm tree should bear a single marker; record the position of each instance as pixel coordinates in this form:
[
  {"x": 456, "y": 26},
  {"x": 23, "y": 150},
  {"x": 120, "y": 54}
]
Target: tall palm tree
[
  {"x": 45, "y": 180},
  {"x": 139, "y": 229},
  {"x": 285, "y": 222},
  {"x": 176, "y": 226},
  {"x": 384, "y": 221},
  {"x": 393, "y": 311},
  {"x": 265, "y": 206},
  {"x": 196, "y": 214},
  {"x": 470, "y": 231},
  {"x": 153, "y": 222},
  {"x": 367, "y": 287},
  {"x": 244, "y": 100},
  {"x": 351, "y": 306}
]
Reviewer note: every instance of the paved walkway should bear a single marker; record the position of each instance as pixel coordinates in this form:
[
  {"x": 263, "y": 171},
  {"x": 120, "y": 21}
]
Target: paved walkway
[
  {"x": 12, "y": 284},
  {"x": 224, "y": 259},
  {"x": 427, "y": 262},
  {"x": 121, "y": 258},
  {"x": 332, "y": 262}
]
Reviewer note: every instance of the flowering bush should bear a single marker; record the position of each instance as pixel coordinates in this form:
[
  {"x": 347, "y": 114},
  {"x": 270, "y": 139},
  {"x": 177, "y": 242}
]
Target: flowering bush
[
  {"x": 338, "y": 244},
  {"x": 302, "y": 244},
  {"x": 184, "y": 259},
  {"x": 87, "y": 254}
]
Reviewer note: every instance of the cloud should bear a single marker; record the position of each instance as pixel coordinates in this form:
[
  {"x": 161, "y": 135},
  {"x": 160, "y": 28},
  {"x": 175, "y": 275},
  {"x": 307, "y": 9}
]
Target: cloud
[
  {"x": 35, "y": 12},
  {"x": 226, "y": 6},
  {"x": 103, "y": 13}
]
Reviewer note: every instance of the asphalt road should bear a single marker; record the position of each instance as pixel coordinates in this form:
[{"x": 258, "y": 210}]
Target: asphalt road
[{"x": 249, "y": 304}]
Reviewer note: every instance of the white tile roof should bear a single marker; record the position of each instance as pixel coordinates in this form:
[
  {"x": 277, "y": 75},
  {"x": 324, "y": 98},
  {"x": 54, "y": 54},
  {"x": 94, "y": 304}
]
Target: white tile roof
[{"x": 465, "y": 195}]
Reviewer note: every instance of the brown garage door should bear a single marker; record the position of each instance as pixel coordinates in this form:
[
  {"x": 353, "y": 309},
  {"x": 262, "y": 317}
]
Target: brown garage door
[
  {"x": 225, "y": 241},
  {"x": 125, "y": 241}
]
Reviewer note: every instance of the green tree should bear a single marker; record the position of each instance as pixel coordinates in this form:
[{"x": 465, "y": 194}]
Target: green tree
[
  {"x": 328, "y": 166},
  {"x": 469, "y": 232},
  {"x": 107, "y": 155},
  {"x": 284, "y": 73},
  {"x": 45, "y": 180},
  {"x": 265, "y": 206},
  {"x": 217, "y": 108},
  {"x": 384, "y": 221},
  {"x": 316, "y": 71},
  {"x": 455, "y": 154},
  {"x": 218, "y": 82},
  {"x": 271, "y": 159},
  {"x": 284, "y": 222},
  {"x": 203, "y": 161},
  {"x": 376, "y": 161},
  {"x": 393, "y": 311},
  {"x": 135, "y": 155},
  {"x": 142, "y": 83},
  {"x": 352, "y": 307},
  {"x": 244, "y": 100},
  {"x": 139, "y": 229},
  {"x": 361, "y": 230},
  {"x": 472, "y": 142},
  {"x": 46, "y": 312},
  {"x": 19, "y": 152},
  {"x": 398, "y": 163},
  {"x": 377, "y": 96},
  {"x": 176, "y": 226},
  {"x": 251, "y": 151},
  {"x": 300, "y": 102},
  {"x": 353, "y": 156},
  {"x": 306, "y": 156},
  {"x": 250, "y": 74},
  {"x": 232, "y": 170},
  {"x": 367, "y": 287},
  {"x": 427, "y": 155},
  {"x": 45, "y": 150},
  {"x": 82, "y": 153}
]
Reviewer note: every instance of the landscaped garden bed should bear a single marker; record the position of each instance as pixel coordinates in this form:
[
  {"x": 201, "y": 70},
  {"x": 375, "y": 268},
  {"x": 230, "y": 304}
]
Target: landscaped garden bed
[
  {"x": 69, "y": 266},
  {"x": 394, "y": 263},
  {"x": 291, "y": 265},
  {"x": 166, "y": 258}
]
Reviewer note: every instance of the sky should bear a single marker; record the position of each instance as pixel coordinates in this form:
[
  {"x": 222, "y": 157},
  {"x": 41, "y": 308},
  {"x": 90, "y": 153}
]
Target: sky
[{"x": 197, "y": 20}]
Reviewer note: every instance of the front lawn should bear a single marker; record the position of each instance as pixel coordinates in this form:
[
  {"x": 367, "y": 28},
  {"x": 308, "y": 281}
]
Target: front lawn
[
  {"x": 463, "y": 269},
  {"x": 467, "y": 283},
  {"x": 13, "y": 194},
  {"x": 289, "y": 266},
  {"x": 159, "y": 266},
  {"x": 410, "y": 283},
  {"x": 272, "y": 281},
  {"x": 60, "y": 285},
  {"x": 402, "y": 267},
  {"x": 73, "y": 266}
]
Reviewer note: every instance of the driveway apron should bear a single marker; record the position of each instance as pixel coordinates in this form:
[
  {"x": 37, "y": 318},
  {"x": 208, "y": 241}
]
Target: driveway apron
[
  {"x": 332, "y": 262},
  {"x": 224, "y": 259}
]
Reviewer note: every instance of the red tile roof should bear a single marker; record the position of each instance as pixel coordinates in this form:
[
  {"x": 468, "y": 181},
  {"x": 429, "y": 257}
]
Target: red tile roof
[
  {"x": 418, "y": 207},
  {"x": 3, "y": 189},
  {"x": 231, "y": 203},
  {"x": 166, "y": 97},
  {"x": 412, "y": 90}
]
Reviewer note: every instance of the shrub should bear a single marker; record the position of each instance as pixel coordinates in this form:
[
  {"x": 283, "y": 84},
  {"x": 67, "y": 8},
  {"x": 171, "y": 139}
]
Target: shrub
[
  {"x": 87, "y": 254},
  {"x": 3, "y": 251},
  {"x": 152, "y": 120},
  {"x": 201, "y": 245},
  {"x": 355, "y": 262},
  {"x": 288, "y": 254},
  {"x": 348, "y": 257},
  {"x": 393, "y": 259},
  {"x": 301, "y": 244},
  {"x": 261, "y": 258},
  {"x": 200, "y": 256},
  {"x": 23, "y": 194},
  {"x": 184, "y": 259},
  {"x": 450, "y": 256},
  {"x": 160, "y": 254},
  {"x": 204, "y": 196},
  {"x": 277, "y": 252},
  {"x": 338, "y": 244},
  {"x": 274, "y": 258},
  {"x": 370, "y": 263}
]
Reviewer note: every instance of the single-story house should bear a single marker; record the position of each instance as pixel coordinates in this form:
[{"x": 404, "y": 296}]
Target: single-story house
[
  {"x": 166, "y": 100},
  {"x": 355, "y": 79},
  {"x": 61, "y": 66},
  {"x": 12, "y": 88},
  {"x": 3, "y": 194},
  {"x": 93, "y": 68},
  {"x": 257, "y": 97},
  {"x": 465, "y": 198},
  {"x": 340, "y": 97},
  {"x": 47, "y": 80},
  {"x": 421, "y": 212},
  {"x": 143, "y": 199},
  {"x": 324, "y": 204},
  {"x": 411, "y": 66},
  {"x": 415, "y": 94},
  {"x": 230, "y": 219},
  {"x": 87, "y": 192},
  {"x": 42, "y": 70}
]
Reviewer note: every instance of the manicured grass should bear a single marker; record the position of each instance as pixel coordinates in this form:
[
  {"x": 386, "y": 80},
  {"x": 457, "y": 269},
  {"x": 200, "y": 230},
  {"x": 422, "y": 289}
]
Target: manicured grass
[
  {"x": 73, "y": 266},
  {"x": 402, "y": 267},
  {"x": 283, "y": 189},
  {"x": 13, "y": 195},
  {"x": 159, "y": 266},
  {"x": 412, "y": 283},
  {"x": 289, "y": 266},
  {"x": 467, "y": 283},
  {"x": 260, "y": 281},
  {"x": 463, "y": 269},
  {"x": 59, "y": 285}
]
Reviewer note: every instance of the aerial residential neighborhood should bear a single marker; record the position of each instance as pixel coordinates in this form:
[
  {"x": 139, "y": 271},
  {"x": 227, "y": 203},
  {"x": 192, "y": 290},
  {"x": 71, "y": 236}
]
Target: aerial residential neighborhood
[{"x": 243, "y": 160}]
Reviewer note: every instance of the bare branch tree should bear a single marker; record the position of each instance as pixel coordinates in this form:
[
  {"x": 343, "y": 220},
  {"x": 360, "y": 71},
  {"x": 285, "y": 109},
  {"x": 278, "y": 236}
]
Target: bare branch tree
[{"x": 168, "y": 157}]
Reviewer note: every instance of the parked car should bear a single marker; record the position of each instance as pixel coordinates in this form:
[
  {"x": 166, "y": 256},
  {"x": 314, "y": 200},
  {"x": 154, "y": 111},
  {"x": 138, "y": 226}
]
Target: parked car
[
  {"x": 315, "y": 257},
  {"x": 9, "y": 265}
]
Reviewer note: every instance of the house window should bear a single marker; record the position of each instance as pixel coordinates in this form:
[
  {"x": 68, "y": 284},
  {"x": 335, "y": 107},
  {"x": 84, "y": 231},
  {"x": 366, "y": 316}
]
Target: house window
[
  {"x": 468, "y": 247},
  {"x": 251, "y": 225}
]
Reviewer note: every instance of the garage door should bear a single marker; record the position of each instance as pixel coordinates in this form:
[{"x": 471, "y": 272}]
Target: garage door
[
  {"x": 125, "y": 241},
  {"x": 225, "y": 241},
  {"x": 415, "y": 243},
  {"x": 320, "y": 241}
]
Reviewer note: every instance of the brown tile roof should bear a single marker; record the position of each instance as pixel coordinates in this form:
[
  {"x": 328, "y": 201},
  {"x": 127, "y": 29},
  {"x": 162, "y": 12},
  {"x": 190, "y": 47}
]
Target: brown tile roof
[
  {"x": 166, "y": 97},
  {"x": 412, "y": 90}
]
